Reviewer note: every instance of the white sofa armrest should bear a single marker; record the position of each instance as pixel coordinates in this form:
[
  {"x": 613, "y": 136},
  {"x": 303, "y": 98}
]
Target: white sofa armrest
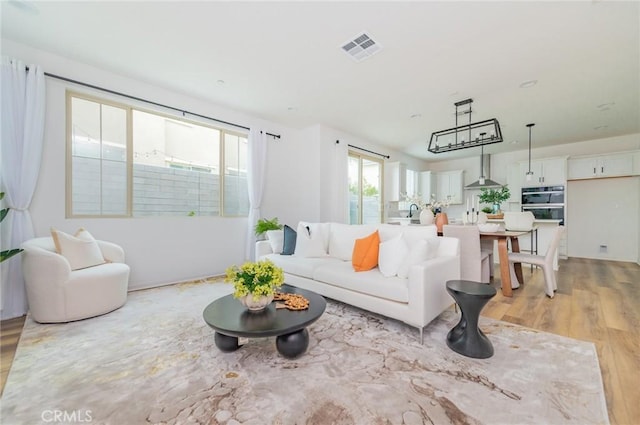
[
  {"x": 448, "y": 247},
  {"x": 111, "y": 252},
  {"x": 263, "y": 248}
]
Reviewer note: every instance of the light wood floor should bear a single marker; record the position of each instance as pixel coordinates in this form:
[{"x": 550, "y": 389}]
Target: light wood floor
[{"x": 597, "y": 301}]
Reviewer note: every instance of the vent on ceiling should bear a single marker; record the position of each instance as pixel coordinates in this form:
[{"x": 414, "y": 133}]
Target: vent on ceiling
[{"x": 361, "y": 47}]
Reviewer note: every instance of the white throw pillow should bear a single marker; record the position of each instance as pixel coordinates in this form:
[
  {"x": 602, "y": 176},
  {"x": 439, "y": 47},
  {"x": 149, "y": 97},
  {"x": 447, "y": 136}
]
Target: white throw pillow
[
  {"x": 276, "y": 240},
  {"x": 343, "y": 237},
  {"x": 323, "y": 229},
  {"x": 418, "y": 253},
  {"x": 391, "y": 255},
  {"x": 309, "y": 242},
  {"x": 81, "y": 249}
]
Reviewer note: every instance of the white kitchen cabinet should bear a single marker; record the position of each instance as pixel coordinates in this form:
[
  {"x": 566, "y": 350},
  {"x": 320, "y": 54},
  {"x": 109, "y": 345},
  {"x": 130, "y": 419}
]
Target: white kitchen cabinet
[
  {"x": 601, "y": 166},
  {"x": 395, "y": 180},
  {"x": 546, "y": 172},
  {"x": 427, "y": 185},
  {"x": 449, "y": 186}
]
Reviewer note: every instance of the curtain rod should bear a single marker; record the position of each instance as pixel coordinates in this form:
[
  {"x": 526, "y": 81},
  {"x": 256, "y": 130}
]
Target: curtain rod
[
  {"x": 275, "y": 136},
  {"x": 366, "y": 150}
]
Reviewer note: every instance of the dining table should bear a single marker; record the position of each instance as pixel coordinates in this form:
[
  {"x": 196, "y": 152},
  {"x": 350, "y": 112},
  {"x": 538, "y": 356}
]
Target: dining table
[{"x": 503, "y": 236}]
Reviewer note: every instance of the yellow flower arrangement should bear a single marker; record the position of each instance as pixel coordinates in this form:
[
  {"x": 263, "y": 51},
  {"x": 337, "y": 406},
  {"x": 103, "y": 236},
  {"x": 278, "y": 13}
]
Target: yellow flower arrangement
[{"x": 260, "y": 278}]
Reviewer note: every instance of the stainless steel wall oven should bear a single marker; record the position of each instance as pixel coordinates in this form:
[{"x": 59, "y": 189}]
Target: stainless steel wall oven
[{"x": 546, "y": 202}]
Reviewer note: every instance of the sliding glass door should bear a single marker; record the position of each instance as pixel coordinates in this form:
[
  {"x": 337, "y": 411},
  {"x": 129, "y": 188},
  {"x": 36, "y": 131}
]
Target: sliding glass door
[{"x": 365, "y": 189}]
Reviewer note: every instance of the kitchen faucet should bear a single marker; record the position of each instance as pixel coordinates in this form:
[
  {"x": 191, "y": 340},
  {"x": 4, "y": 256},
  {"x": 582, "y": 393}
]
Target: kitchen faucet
[{"x": 410, "y": 209}]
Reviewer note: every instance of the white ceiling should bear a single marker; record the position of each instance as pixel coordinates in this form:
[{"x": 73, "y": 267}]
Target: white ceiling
[{"x": 283, "y": 62}]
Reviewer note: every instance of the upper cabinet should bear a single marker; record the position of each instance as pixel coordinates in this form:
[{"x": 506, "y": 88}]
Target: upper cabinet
[
  {"x": 449, "y": 186},
  {"x": 590, "y": 167},
  {"x": 395, "y": 180},
  {"x": 427, "y": 185},
  {"x": 546, "y": 172}
]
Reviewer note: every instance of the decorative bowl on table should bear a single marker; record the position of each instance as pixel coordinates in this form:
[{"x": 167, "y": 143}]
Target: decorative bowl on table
[{"x": 489, "y": 227}]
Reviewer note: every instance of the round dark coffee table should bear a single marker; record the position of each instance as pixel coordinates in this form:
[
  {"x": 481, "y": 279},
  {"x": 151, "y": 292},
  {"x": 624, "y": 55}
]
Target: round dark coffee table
[
  {"x": 231, "y": 320},
  {"x": 466, "y": 338}
]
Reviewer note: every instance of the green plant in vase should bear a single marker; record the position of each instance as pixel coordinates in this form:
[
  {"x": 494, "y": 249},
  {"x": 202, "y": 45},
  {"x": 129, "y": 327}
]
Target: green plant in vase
[
  {"x": 255, "y": 283},
  {"x": 5, "y": 255},
  {"x": 263, "y": 225},
  {"x": 495, "y": 197}
]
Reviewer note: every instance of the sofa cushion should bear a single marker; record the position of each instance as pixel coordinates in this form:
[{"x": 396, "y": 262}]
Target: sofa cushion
[
  {"x": 343, "y": 237},
  {"x": 365, "y": 252},
  {"x": 410, "y": 234},
  {"x": 299, "y": 266},
  {"x": 421, "y": 251},
  {"x": 370, "y": 282},
  {"x": 309, "y": 242},
  {"x": 81, "y": 249},
  {"x": 276, "y": 240},
  {"x": 392, "y": 254},
  {"x": 289, "y": 242}
]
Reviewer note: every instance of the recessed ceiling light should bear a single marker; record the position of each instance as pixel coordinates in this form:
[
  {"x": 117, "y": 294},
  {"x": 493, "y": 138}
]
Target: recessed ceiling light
[
  {"x": 600, "y": 127},
  {"x": 527, "y": 84},
  {"x": 220, "y": 82},
  {"x": 415, "y": 116},
  {"x": 291, "y": 108}
]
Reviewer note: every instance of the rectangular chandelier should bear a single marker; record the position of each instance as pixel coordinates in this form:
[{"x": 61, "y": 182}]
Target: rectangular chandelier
[{"x": 465, "y": 136}]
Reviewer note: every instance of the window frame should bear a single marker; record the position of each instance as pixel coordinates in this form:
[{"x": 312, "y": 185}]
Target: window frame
[
  {"x": 360, "y": 157},
  {"x": 70, "y": 94}
]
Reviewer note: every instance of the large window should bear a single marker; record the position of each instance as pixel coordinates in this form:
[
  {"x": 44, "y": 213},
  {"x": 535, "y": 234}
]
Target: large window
[
  {"x": 128, "y": 162},
  {"x": 365, "y": 189}
]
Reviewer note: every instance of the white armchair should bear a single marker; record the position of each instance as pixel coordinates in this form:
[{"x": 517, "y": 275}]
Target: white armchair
[{"x": 57, "y": 294}]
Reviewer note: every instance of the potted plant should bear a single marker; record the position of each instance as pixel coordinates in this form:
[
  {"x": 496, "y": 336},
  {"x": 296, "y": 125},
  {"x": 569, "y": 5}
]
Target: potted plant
[
  {"x": 5, "y": 255},
  {"x": 495, "y": 197},
  {"x": 263, "y": 225},
  {"x": 255, "y": 283}
]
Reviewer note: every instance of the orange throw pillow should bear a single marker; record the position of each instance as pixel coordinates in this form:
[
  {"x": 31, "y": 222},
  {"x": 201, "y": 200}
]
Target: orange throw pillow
[{"x": 365, "y": 252}]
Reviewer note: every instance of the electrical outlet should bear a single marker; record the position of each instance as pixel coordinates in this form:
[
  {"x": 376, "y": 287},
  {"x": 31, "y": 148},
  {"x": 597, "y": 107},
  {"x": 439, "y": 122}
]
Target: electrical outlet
[
  {"x": 603, "y": 249},
  {"x": 242, "y": 341}
]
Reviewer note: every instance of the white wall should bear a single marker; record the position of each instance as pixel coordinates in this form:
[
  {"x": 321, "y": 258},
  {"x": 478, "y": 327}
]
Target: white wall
[
  {"x": 604, "y": 212},
  {"x": 163, "y": 250}
]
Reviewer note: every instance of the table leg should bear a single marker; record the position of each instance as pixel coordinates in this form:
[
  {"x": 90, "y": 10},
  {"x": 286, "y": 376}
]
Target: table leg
[
  {"x": 293, "y": 344},
  {"x": 226, "y": 343},
  {"x": 515, "y": 247},
  {"x": 505, "y": 276}
]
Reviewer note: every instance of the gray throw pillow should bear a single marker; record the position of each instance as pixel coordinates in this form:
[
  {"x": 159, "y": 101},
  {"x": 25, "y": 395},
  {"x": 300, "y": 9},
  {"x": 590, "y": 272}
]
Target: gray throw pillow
[{"x": 289, "y": 245}]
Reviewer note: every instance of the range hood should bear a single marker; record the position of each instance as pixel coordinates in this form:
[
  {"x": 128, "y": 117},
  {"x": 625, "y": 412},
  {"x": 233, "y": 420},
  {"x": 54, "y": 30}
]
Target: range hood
[{"x": 485, "y": 167}]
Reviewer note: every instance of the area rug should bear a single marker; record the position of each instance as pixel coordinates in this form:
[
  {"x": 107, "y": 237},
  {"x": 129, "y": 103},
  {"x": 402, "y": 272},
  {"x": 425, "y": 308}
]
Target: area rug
[{"x": 154, "y": 361}]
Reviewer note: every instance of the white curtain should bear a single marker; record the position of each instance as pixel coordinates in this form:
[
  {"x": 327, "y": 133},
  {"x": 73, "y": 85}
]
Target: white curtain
[
  {"x": 340, "y": 186},
  {"x": 23, "y": 108},
  {"x": 256, "y": 170}
]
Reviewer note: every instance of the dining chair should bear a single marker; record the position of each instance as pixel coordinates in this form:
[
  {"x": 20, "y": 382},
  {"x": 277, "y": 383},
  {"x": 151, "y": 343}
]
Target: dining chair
[
  {"x": 474, "y": 264},
  {"x": 544, "y": 261},
  {"x": 518, "y": 220}
]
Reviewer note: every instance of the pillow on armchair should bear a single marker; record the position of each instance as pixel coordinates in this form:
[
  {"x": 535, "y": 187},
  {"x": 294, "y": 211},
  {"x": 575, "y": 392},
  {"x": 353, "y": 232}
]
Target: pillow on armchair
[{"x": 81, "y": 249}]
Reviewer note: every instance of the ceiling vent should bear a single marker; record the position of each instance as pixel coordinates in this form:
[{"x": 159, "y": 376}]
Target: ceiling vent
[{"x": 361, "y": 47}]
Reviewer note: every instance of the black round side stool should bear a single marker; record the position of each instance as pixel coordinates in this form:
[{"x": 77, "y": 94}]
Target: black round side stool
[{"x": 466, "y": 338}]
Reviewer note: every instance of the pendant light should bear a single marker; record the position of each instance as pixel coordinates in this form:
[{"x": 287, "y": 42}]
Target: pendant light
[
  {"x": 530, "y": 173},
  {"x": 481, "y": 179}
]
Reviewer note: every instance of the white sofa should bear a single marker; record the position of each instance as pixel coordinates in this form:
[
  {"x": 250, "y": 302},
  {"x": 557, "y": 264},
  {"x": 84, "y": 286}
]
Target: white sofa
[
  {"x": 57, "y": 294},
  {"x": 415, "y": 300}
]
